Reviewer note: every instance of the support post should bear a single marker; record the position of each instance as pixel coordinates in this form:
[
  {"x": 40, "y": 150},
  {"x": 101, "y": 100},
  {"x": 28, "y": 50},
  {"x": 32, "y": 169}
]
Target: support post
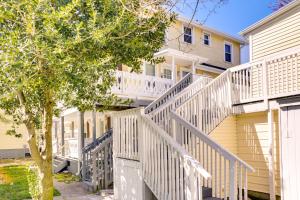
[
  {"x": 232, "y": 171},
  {"x": 56, "y": 136},
  {"x": 193, "y": 68},
  {"x": 62, "y": 131},
  {"x": 271, "y": 156},
  {"x": 173, "y": 70},
  {"x": 94, "y": 126},
  {"x": 81, "y": 142}
]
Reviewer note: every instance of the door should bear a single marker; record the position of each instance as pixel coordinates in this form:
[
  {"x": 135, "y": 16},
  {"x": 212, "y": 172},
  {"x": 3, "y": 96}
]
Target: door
[{"x": 290, "y": 152}]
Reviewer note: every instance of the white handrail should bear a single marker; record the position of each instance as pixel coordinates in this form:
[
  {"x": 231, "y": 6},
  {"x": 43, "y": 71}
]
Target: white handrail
[
  {"x": 170, "y": 93},
  {"x": 229, "y": 172},
  {"x": 168, "y": 169},
  {"x": 210, "y": 105},
  {"x": 161, "y": 115},
  {"x": 209, "y": 141}
]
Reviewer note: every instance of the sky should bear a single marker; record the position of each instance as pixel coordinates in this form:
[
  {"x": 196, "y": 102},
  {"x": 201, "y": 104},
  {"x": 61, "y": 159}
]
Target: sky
[{"x": 231, "y": 17}]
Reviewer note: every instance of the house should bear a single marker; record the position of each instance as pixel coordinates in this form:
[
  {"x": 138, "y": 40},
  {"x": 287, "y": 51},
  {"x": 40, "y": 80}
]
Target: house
[
  {"x": 233, "y": 137},
  {"x": 10, "y": 146},
  {"x": 190, "y": 54}
]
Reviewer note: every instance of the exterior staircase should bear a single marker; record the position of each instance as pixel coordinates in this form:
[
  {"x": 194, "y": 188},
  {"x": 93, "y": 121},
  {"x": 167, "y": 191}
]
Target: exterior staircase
[
  {"x": 97, "y": 163},
  {"x": 170, "y": 139},
  {"x": 59, "y": 164}
]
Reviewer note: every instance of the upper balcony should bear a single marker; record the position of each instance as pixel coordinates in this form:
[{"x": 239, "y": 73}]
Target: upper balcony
[{"x": 139, "y": 86}]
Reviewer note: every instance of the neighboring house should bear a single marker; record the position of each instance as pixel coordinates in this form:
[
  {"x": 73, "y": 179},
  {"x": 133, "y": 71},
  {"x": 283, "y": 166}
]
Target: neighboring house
[
  {"x": 235, "y": 136},
  {"x": 10, "y": 146},
  {"x": 190, "y": 48}
]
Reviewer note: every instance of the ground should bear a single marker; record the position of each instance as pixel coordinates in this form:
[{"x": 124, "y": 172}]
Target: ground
[{"x": 14, "y": 184}]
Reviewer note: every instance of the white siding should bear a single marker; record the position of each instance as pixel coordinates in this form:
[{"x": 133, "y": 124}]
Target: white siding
[{"x": 280, "y": 34}]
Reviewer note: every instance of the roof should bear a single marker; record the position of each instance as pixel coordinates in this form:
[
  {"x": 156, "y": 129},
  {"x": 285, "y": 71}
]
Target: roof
[
  {"x": 211, "y": 30},
  {"x": 270, "y": 17}
]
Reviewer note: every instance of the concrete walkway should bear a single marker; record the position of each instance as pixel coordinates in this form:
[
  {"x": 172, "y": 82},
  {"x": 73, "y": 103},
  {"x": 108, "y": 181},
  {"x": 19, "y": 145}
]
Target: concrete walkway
[{"x": 75, "y": 191}]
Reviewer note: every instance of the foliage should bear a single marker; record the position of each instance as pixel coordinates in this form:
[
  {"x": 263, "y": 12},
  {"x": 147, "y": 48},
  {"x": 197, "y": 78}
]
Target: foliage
[
  {"x": 16, "y": 187},
  {"x": 63, "y": 53},
  {"x": 66, "y": 177}
]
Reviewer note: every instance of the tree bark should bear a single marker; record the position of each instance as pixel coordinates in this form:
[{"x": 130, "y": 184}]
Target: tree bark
[{"x": 43, "y": 158}]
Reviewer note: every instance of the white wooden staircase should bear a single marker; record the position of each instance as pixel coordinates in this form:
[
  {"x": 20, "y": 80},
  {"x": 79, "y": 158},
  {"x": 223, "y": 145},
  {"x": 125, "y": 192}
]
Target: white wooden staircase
[{"x": 171, "y": 140}]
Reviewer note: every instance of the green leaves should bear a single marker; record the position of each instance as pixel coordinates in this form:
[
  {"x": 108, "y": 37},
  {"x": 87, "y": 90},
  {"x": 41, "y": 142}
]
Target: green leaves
[{"x": 67, "y": 46}]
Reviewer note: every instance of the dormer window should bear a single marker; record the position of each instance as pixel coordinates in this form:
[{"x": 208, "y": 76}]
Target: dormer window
[
  {"x": 188, "y": 38},
  {"x": 206, "y": 39}
]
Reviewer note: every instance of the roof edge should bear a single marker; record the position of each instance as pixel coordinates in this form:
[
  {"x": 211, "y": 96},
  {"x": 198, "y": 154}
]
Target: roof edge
[{"x": 206, "y": 28}]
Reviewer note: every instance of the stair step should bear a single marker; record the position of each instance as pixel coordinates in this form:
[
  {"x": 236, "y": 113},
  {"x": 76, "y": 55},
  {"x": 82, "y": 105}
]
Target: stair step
[
  {"x": 212, "y": 198},
  {"x": 206, "y": 192}
]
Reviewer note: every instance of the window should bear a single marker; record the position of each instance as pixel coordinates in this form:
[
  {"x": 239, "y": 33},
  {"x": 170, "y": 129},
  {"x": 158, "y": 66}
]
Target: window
[
  {"x": 206, "y": 39},
  {"x": 167, "y": 73},
  {"x": 187, "y": 35},
  {"x": 150, "y": 69},
  {"x": 228, "y": 52}
]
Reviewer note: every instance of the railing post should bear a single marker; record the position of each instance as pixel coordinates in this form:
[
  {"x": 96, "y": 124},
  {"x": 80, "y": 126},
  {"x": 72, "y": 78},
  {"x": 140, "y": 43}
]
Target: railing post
[
  {"x": 232, "y": 172},
  {"x": 94, "y": 166},
  {"x": 265, "y": 82},
  {"x": 106, "y": 167}
]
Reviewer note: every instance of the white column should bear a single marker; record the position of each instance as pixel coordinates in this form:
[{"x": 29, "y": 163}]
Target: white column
[
  {"x": 94, "y": 126},
  {"x": 144, "y": 68},
  {"x": 193, "y": 68},
  {"x": 173, "y": 70},
  {"x": 62, "y": 132},
  {"x": 271, "y": 156},
  {"x": 81, "y": 142}
]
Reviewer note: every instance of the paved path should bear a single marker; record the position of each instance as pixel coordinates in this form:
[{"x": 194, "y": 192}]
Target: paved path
[{"x": 75, "y": 191}]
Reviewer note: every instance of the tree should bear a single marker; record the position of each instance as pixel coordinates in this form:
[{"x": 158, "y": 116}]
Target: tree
[
  {"x": 62, "y": 53},
  {"x": 279, "y": 4}
]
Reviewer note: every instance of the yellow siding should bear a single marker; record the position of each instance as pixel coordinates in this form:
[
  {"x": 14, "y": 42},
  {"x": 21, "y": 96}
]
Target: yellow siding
[
  {"x": 214, "y": 52},
  {"x": 280, "y": 34},
  {"x": 11, "y": 142},
  {"x": 252, "y": 131},
  {"x": 226, "y": 128}
]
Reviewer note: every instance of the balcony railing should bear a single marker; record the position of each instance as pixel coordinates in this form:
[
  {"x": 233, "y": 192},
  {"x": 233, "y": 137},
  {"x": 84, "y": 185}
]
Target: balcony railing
[
  {"x": 274, "y": 76},
  {"x": 139, "y": 86}
]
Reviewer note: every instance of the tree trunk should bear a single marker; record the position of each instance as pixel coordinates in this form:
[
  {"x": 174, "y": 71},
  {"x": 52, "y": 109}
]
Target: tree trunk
[
  {"x": 43, "y": 157},
  {"x": 46, "y": 181}
]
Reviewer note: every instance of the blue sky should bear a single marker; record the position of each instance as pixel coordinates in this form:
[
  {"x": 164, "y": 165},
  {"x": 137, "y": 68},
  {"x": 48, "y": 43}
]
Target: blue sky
[{"x": 232, "y": 17}]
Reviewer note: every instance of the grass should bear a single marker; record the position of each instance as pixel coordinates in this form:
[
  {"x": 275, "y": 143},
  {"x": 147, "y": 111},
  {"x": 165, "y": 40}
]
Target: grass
[
  {"x": 66, "y": 177},
  {"x": 14, "y": 183}
]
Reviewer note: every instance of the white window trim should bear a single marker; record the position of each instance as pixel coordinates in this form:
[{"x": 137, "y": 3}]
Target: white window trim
[
  {"x": 192, "y": 28},
  {"x": 232, "y": 57},
  {"x": 210, "y": 39}
]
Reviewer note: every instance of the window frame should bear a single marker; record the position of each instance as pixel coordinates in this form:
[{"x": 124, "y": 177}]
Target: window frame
[
  {"x": 209, "y": 39},
  {"x": 146, "y": 63},
  {"x": 192, "y": 33},
  {"x": 231, "y": 52},
  {"x": 163, "y": 74}
]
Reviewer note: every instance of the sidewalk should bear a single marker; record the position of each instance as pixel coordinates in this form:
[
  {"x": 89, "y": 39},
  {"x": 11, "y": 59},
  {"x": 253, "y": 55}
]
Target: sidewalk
[{"x": 75, "y": 191}]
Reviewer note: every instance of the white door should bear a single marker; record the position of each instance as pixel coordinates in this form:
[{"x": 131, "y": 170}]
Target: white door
[{"x": 290, "y": 152}]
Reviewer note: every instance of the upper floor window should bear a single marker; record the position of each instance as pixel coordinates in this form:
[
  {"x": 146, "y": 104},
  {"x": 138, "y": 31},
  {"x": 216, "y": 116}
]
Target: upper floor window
[
  {"x": 228, "y": 52},
  {"x": 188, "y": 38},
  {"x": 206, "y": 39},
  {"x": 150, "y": 69}
]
